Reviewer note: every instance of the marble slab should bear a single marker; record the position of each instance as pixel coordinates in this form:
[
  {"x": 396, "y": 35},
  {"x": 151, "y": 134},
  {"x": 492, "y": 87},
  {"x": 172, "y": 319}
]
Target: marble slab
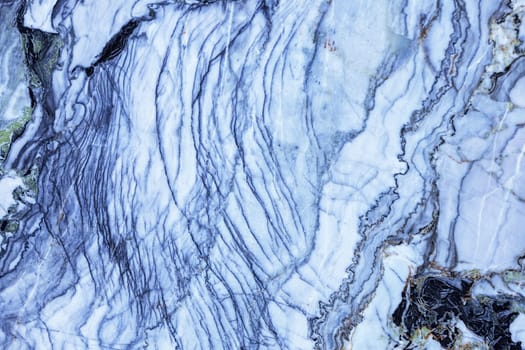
[{"x": 262, "y": 174}]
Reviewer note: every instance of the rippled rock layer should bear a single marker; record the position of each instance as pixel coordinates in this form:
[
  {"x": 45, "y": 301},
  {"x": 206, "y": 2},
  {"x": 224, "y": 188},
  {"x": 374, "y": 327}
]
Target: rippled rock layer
[{"x": 262, "y": 174}]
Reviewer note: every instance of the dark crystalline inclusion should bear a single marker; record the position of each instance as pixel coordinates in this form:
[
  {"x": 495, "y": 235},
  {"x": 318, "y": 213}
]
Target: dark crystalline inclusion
[{"x": 436, "y": 303}]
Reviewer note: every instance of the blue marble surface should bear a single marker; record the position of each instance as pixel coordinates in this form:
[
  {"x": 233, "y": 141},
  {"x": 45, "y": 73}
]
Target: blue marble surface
[{"x": 262, "y": 174}]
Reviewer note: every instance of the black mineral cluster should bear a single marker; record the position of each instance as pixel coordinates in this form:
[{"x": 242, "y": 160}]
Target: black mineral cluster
[{"x": 437, "y": 303}]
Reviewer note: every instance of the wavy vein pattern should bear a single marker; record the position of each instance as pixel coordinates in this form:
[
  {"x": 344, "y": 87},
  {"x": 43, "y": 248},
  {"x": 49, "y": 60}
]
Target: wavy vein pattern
[{"x": 260, "y": 174}]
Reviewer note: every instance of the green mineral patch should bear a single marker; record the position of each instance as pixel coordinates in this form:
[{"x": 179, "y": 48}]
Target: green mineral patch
[
  {"x": 8, "y": 226},
  {"x": 32, "y": 60},
  {"x": 42, "y": 51},
  {"x": 37, "y": 45},
  {"x": 24, "y": 196},
  {"x": 30, "y": 180},
  {"x": 513, "y": 276},
  {"x": 12, "y": 131}
]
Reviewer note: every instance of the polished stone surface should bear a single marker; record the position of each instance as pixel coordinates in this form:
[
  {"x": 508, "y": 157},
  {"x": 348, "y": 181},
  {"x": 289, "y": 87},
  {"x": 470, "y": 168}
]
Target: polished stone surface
[{"x": 262, "y": 174}]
